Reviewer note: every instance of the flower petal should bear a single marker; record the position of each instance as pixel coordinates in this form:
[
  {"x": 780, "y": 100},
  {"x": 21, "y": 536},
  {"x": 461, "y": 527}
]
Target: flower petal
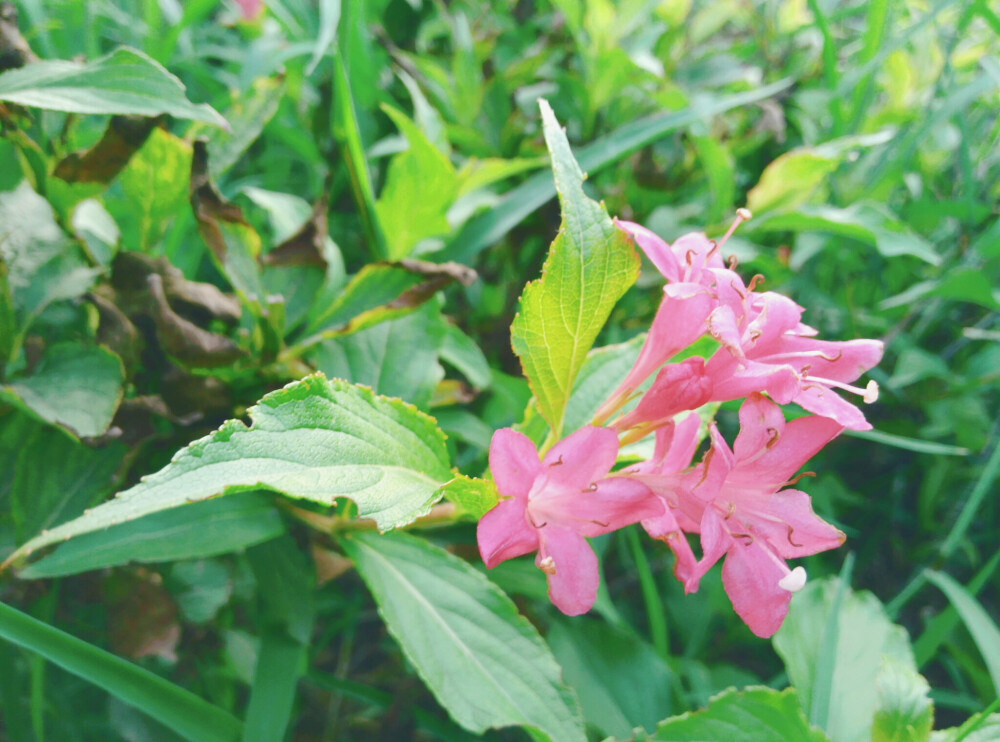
[
  {"x": 571, "y": 566},
  {"x": 513, "y": 462},
  {"x": 678, "y": 387},
  {"x": 761, "y": 426},
  {"x": 656, "y": 249},
  {"x": 786, "y": 519},
  {"x": 615, "y": 503},
  {"x": 800, "y": 441},
  {"x": 579, "y": 459},
  {"x": 504, "y": 533},
  {"x": 751, "y": 576},
  {"x": 825, "y": 402}
]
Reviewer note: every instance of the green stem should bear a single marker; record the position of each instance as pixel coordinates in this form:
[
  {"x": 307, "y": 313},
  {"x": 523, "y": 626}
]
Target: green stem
[{"x": 650, "y": 595}]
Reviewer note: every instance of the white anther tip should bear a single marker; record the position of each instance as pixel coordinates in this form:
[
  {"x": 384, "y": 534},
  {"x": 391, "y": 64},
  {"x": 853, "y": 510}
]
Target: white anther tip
[
  {"x": 871, "y": 392},
  {"x": 744, "y": 214},
  {"x": 794, "y": 580}
]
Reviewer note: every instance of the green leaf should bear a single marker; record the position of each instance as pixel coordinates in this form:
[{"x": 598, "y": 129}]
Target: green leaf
[
  {"x": 179, "y": 709},
  {"x": 986, "y": 730},
  {"x": 42, "y": 265},
  {"x": 864, "y": 639},
  {"x": 419, "y": 188},
  {"x": 461, "y": 352},
  {"x": 155, "y": 185},
  {"x": 472, "y": 497},
  {"x": 124, "y": 82},
  {"x": 606, "y": 665},
  {"x": 42, "y": 495},
  {"x": 200, "y": 530},
  {"x": 77, "y": 387},
  {"x": 381, "y": 291},
  {"x": 905, "y": 712},
  {"x": 329, "y": 17},
  {"x": 314, "y": 439},
  {"x": 600, "y": 375},
  {"x": 483, "y": 661},
  {"x": 983, "y": 629},
  {"x": 866, "y": 222},
  {"x": 748, "y": 715},
  {"x": 200, "y": 588},
  {"x": 491, "y": 226},
  {"x": 589, "y": 266},
  {"x": 247, "y": 115},
  {"x": 397, "y": 358}
]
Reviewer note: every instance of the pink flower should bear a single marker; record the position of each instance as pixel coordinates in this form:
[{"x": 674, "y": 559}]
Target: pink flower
[
  {"x": 678, "y": 387},
  {"x": 765, "y": 347},
  {"x": 692, "y": 267},
  {"x": 553, "y": 505},
  {"x": 250, "y": 9},
  {"x": 745, "y": 515},
  {"x": 664, "y": 475}
]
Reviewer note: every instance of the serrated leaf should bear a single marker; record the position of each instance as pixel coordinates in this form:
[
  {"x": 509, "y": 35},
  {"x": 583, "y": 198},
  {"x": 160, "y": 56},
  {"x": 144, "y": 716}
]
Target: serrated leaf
[
  {"x": 748, "y": 715},
  {"x": 905, "y": 712},
  {"x": 419, "y": 188},
  {"x": 201, "y": 530},
  {"x": 123, "y": 82},
  {"x": 314, "y": 439},
  {"x": 588, "y": 268},
  {"x": 77, "y": 387},
  {"x": 864, "y": 637},
  {"x": 482, "y": 660},
  {"x": 471, "y": 496}
]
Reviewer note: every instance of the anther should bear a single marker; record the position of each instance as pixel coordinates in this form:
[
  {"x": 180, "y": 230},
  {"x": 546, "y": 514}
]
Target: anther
[
  {"x": 871, "y": 392},
  {"x": 793, "y": 581},
  {"x": 547, "y": 565}
]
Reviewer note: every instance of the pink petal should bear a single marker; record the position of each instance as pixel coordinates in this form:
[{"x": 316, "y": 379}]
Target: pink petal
[
  {"x": 581, "y": 458},
  {"x": 715, "y": 540},
  {"x": 839, "y": 361},
  {"x": 786, "y": 519},
  {"x": 800, "y": 441},
  {"x": 730, "y": 381},
  {"x": 665, "y": 528},
  {"x": 824, "y": 401},
  {"x": 655, "y": 248},
  {"x": 724, "y": 328},
  {"x": 678, "y": 387},
  {"x": 615, "y": 503},
  {"x": 750, "y": 575},
  {"x": 513, "y": 462},
  {"x": 683, "y": 443},
  {"x": 571, "y": 566},
  {"x": 694, "y": 249},
  {"x": 761, "y": 426},
  {"x": 504, "y": 533}
]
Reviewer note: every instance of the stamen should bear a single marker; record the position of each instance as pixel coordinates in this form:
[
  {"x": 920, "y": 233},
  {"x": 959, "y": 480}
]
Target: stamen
[
  {"x": 748, "y": 538},
  {"x": 772, "y": 438},
  {"x": 598, "y": 523},
  {"x": 688, "y": 255},
  {"x": 715, "y": 246},
  {"x": 704, "y": 463},
  {"x": 548, "y": 565},
  {"x": 557, "y": 462},
  {"x": 532, "y": 521},
  {"x": 756, "y": 281},
  {"x": 742, "y": 215},
  {"x": 737, "y": 290},
  {"x": 793, "y": 581},
  {"x": 795, "y": 480},
  {"x": 871, "y": 392},
  {"x": 730, "y": 510},
  {"x": 733, "y": 262},
  {"x": 591, "y": 488},
  {"x": 790, "y": 532}
]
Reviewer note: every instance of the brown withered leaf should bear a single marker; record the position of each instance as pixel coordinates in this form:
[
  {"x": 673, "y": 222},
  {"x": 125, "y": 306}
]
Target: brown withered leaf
[
  {"x": 198, "y": 302},
  {"x": 210, "y": 207},
  {"x": 451, "y": 392},
  {"x": 102, "y": 162},
  {"x": 329, "y": 564},
  {"x": 184, "y": 340},
  {"x": 14, "y": 50},
  {"x": 193, "y": 397},
  {"x": 305, "y": 247},
  {"x": 438, "y": 275},
  {"x": 142, "y": 617},
  {"x": 115, "y": 330}
]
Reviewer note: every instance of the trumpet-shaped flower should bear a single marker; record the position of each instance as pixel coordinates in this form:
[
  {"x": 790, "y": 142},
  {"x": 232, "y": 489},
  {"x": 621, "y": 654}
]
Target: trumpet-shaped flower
[
  {"x": 765, "y": 347},
  {"x": 744, "y": 514},
  {"x": 553, "y": 505}
]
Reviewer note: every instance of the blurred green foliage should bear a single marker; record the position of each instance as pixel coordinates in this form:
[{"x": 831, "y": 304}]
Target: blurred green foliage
[{"x": 168, "y": 274}]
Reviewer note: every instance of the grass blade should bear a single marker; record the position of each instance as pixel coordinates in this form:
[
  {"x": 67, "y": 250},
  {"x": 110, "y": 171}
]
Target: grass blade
[
  {"x": 490, "y": 226},
  {"x": 274, "y": 684},
  {"x": 822, "y": 689},
  {"x": 177, "y": 708},
  {"x": 983, "y": 629}
]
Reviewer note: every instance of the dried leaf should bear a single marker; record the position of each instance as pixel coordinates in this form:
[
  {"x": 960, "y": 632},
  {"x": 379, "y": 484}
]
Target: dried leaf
[
  {"x": 14, "y": 50},
  {"x": 102, "y": 162}
]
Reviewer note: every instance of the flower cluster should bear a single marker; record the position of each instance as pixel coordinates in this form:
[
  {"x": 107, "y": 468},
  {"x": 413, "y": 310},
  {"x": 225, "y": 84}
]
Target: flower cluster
[{"x": 737, "y": 500}]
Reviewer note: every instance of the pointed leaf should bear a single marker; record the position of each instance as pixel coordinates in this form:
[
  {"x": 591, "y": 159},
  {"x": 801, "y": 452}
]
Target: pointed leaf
[
  {"x": 589, "y": 266},
  {"x": 482, "y": 660},
  {"x": 314, "y": 439},
  {"x": 125, "y": 81},
  {"x": 77, "y": 387}
]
